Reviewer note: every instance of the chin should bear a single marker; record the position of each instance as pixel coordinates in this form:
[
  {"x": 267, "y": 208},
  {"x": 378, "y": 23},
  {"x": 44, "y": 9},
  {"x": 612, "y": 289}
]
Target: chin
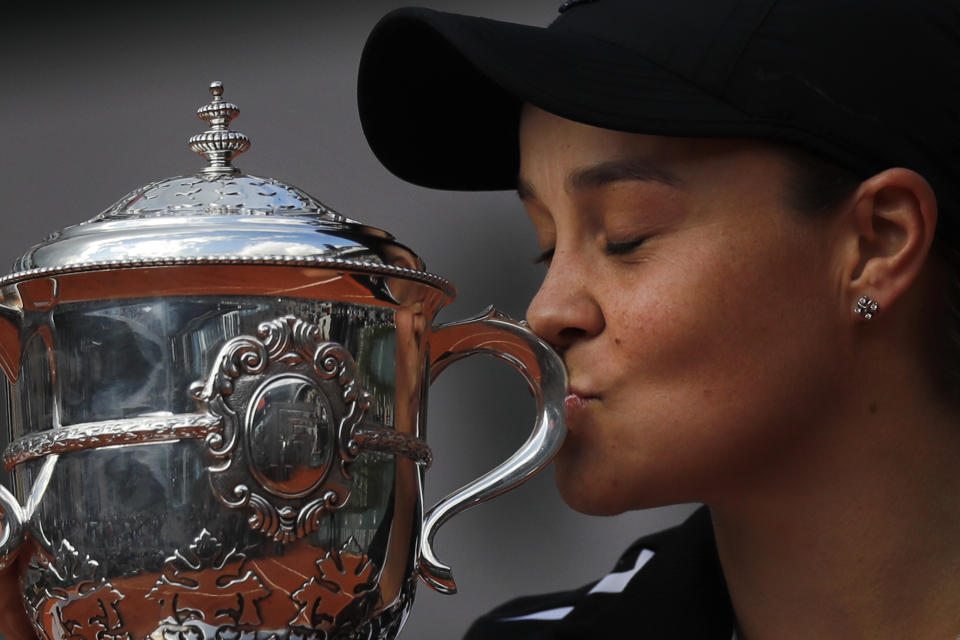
[
  {"x": 594, "y": 485},
  {"x": 588, "y": 497}
]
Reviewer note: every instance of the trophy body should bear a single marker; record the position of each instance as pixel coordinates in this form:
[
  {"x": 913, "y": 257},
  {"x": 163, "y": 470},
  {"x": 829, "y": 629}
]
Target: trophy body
[{"x": 216, "y": 417}]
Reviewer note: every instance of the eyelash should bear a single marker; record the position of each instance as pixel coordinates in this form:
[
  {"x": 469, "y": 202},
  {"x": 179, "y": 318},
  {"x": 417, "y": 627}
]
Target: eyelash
[
  {"x": 544, "y": 257},
  {"x": 612, "y": 249},
  {"x": 622, "y": 248}
]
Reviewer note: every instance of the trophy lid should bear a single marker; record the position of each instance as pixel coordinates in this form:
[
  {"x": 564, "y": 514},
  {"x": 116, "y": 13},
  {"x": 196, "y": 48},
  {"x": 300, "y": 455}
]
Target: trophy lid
[{"x": 220, "y": 215}]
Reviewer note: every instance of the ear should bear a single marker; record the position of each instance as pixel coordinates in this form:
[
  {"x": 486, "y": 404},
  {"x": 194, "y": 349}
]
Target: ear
[{"x": 895, "y": 217}]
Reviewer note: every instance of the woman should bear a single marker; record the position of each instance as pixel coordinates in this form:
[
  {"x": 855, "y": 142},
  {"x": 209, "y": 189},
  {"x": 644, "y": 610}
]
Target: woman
[{"x": 747, "y": 214}]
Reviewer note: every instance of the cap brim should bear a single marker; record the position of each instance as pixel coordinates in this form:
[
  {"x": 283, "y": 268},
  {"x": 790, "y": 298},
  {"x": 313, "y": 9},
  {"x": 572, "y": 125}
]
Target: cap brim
[{"x": 439, "y": 95}]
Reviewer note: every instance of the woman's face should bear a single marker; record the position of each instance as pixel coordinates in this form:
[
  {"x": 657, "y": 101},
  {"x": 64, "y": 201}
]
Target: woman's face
[{"x": 698, "y": 315}]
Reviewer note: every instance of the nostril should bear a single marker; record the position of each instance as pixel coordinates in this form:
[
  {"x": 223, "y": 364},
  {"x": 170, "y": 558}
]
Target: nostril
[
  {"x": 571, "y": 333},
  {"x": 562, "y": 340}
]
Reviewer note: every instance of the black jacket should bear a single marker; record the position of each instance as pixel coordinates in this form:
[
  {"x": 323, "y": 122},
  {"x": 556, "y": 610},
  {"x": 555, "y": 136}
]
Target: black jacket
[{"x": 667, "y": 586}]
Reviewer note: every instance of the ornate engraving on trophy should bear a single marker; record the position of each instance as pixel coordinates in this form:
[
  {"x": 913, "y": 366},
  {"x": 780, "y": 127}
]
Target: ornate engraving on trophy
[
  {"x": 289, "y": 406},
  {"x": 70, "y": 599},
  {"x": 210, "y": 591},
  {"x": 342, "y": 593},
  {"x": 209, "y": 583},
  {"x": 109, "y": 433}
]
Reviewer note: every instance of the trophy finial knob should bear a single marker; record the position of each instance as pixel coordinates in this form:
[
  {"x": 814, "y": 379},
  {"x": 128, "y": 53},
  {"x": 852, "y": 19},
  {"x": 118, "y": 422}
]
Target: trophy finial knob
[{"x": 219, "y": 144}]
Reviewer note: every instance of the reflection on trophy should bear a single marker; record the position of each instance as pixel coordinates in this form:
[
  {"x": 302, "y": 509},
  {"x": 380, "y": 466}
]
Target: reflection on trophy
[
  {"x": 291, "y": 428},
  {"x": 216, "y": 420}
]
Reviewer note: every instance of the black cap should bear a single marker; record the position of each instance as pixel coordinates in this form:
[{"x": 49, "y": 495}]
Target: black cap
[{"x": 869, "y": 84}]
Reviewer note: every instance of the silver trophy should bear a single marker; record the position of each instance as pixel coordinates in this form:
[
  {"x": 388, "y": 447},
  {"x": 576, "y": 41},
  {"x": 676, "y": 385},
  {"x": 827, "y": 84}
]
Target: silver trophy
[{"x": 217, "y": 394}]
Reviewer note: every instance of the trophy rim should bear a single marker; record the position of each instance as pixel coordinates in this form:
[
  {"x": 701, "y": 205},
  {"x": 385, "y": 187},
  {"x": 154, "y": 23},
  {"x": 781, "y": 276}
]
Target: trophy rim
[{"x": 360, "y": 266}]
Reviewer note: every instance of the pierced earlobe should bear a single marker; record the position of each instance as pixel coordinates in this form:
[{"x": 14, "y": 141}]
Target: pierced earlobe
[{"x": 866, "y": 307}]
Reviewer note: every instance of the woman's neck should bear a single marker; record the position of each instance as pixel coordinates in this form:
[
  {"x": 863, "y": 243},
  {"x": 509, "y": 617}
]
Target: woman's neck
[{"x": 855, "y": 534}]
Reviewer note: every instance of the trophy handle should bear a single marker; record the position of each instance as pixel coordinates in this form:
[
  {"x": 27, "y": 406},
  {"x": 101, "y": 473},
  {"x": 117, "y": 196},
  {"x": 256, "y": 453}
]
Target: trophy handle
[
  {"x": 13, "y": 619},
  {"x": 495, "y": 334},
  {"x": 11, "y": 528}
]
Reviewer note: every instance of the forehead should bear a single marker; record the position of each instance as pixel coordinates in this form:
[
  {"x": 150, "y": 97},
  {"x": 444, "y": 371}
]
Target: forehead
[{"x": 554, "y": 149}]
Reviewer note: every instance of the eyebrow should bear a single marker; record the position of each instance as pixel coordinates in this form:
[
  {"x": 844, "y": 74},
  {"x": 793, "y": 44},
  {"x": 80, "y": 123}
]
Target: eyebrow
[{"x": 608, "y": 172}]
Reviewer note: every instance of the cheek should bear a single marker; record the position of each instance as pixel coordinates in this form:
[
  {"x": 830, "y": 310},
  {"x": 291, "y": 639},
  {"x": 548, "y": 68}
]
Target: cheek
[
  {"x": 724, "y": 312},
  {"x": 673, "y": 315},
  {"x": 718, "y": 357}
]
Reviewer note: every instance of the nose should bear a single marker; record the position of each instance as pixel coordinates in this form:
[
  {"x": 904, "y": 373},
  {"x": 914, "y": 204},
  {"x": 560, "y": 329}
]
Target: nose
[{"x": 564, "y": 310}]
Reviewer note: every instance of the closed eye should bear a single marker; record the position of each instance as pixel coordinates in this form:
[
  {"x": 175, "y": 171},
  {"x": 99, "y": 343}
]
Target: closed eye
[{"x": 622, "y": 248}]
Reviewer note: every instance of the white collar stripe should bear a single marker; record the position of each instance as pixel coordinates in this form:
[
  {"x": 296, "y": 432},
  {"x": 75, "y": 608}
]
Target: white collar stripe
[
  {"x": 611, "y": 583},
  {"x": 549, "y": 614},
  {"x": 617, "y": 582}
]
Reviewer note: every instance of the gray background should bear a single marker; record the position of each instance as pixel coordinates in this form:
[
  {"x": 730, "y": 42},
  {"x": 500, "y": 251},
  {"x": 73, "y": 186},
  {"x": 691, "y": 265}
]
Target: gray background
[{"x": 97, "y": 100}]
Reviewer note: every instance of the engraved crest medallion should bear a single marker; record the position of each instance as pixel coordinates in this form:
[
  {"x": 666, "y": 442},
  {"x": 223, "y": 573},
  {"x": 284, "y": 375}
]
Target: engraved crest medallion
[{"x": 289, "y": 406}]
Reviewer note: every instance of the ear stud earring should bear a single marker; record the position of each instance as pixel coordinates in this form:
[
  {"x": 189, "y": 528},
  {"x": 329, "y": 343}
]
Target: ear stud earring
[{"x": 866, "y": 307}]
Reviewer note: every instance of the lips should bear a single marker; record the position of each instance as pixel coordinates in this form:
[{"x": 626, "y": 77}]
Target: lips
[{"x": 577, "y": 400}]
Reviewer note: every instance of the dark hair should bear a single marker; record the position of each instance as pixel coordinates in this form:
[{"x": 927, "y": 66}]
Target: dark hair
[{"x": 817, "y": 186}]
